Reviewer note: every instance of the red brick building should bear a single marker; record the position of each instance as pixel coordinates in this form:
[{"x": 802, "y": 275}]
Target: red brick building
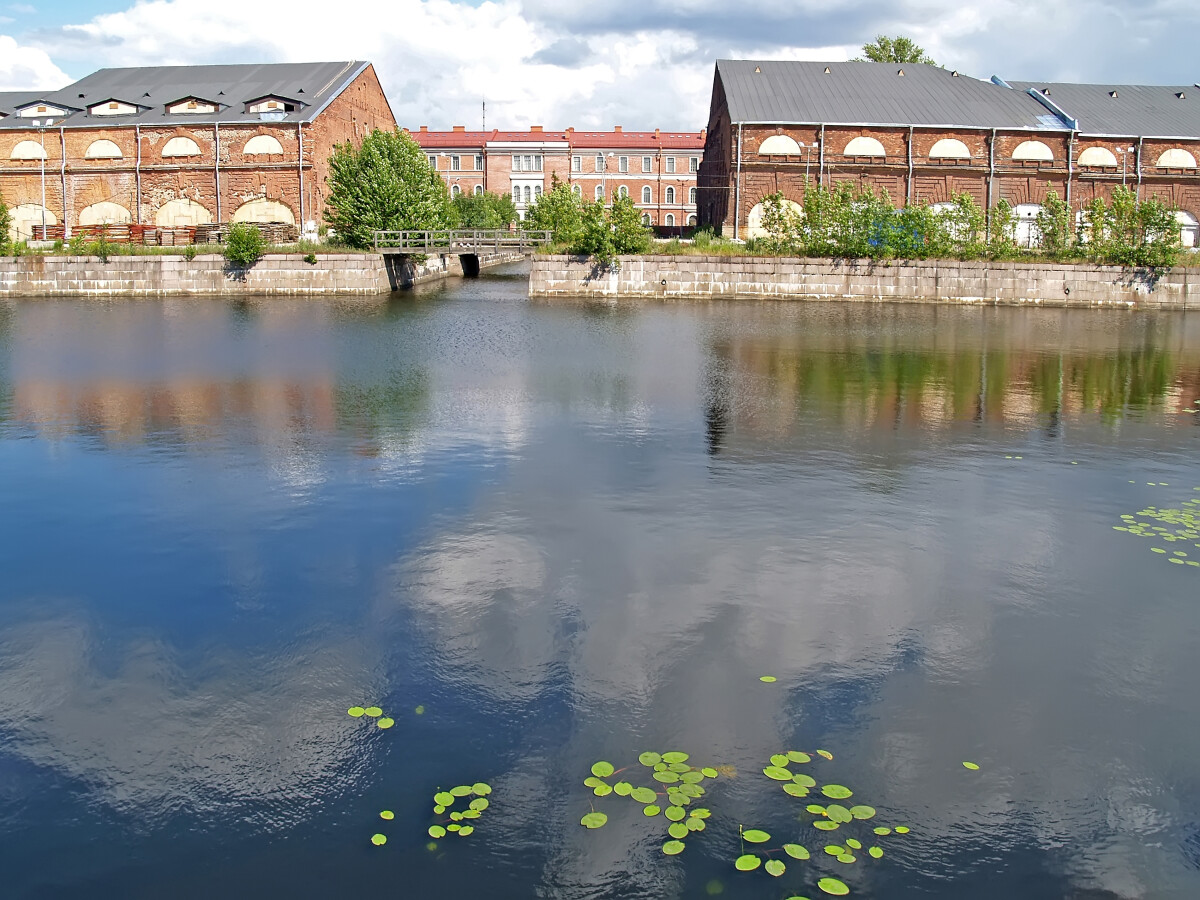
[
  {"x": 925, "y": 134},
  {"x": 656, "y": 169},
  {"x": 183, "y": 145}
]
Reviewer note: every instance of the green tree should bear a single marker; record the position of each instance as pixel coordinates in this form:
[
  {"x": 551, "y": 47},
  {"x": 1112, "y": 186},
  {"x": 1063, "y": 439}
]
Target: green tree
[
  {"x": 245, "y": 244},
  {"x": 629, "y": 235},
  {"x": 484, "y": 210},
  {"x": 5, "y": 225},
  {"x": 1054, "y": 224},
  {"x": 605, "y": 234},
  {"x": 895, "y": 50},
  {"x": 559, "y": 211},
  {"x": 384, "y": 185}
]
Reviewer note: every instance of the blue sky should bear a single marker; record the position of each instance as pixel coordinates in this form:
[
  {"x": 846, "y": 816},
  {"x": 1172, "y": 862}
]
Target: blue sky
[{"x": 592, "y": 63}]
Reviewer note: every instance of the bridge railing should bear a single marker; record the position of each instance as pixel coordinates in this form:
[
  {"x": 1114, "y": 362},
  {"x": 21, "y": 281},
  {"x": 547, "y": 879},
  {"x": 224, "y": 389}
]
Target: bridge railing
[{"x": 465, "y": 240}]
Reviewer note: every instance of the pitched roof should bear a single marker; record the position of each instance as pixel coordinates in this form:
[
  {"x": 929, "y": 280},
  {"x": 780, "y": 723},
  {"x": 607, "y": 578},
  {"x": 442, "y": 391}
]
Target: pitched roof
[
  {"x": 1125, "y": 110},
  {"x": 867, "y": 93},
  {"x": 607, "y": 140},
  {"x": 152, "y": 88}
]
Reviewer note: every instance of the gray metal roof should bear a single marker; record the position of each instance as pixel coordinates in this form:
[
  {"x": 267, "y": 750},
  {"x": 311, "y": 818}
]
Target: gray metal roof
[
  {"x": 866, "y": 93},
  {"x": 1137, "y": 110},
  {"x": 310, "y": 85}
]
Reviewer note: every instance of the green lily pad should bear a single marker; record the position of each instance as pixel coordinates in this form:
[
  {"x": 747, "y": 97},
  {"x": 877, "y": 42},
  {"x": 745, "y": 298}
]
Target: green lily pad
[
  {"x": 876, "y": 852},
  {"x": 824, "y": 754},
  {"x": 592, "y": 781},
  {"x": 602, "y": 790},
  {"x": 834, "y": 849},
  {"x": 602, "y": 769},
  {"x": 795, "y": 790},
  {"x": 768, "y": 679},
  {"x": 805, "y": 780},
  {"x": 465, "y": 830},
  {"x": 438, "y": 810},
  {"x": 674, "y": 757},
  {"x": 709, "y": 772},
  {"x": 777, "y": 773},
  {"x": 379, "y": 839},
  {"x": 678, "y": 767},
  {"x": 795, "y": 851},
  {"x": 902, "y": 829},
  {"x": 694, "y": 824},
  {"x": 622, "y": 788},
  {"x": 593, "y": 820},
  {"x": 651, "y": 810},
  {"x": 700, "y": 813},
  {"x": 974, "y": 767},
  {"x": 385, "y": 722},
  {"x": 815, "y": 809},
  {"x": 470, "y": 814},
  {"x": 673, "y": 848},
  {"x": 838, "y": 813},
  {"x": 373, "y": 711},
  {"x": 387, "y": 814},
  {"x": 355, "y": 711},
  {"x": 443, "y": 798},
  {"x": 853, "y": 844},
  {"x": 649, "y": 758},
  {"x": 847, "y": 858},
  {"x": 754, "y": 836},
  {"x": 481, "y": 788},
  {"x": 453, "y": 827},
  {"x": 862, "y": 812},
  {"x": 780, "y": 760},
  {"x": 420, "y": 710},
  {"x": 675, "y": 813},
  {"x": 833, "y": 886},
  {"x": 666, "y": 777},
  {"x": 643, "y": 795},
  {"x": 775, "y": 867},
  {"x": 837, "y": 791},
  {"x": 826, "y": 825},
  {"x": 437, "y": 831},
  {"x": 480, "y": 803},
  {"x": 678, "y": 830},
  {"x": 455, "y": 816},
  {"x": 660, "y": 766},
  {"x": 461, "y": 790},
  {"x": 691, "y": 777},
  {"x": 691, "y": 790},
  {"x": 747, "y": 863},
  {"x": 798, "y": 756},
  {"x": 883, "y": 831}
]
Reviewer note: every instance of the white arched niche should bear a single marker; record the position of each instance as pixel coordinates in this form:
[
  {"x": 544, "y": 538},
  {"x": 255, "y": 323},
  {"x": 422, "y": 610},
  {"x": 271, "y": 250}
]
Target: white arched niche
[
  {"x": 102, "y": 149},
  {"x": 1097, "y": 156},
  {"x": 864, "y": 146},
  {"x": 949, "y": 148},
  {"x": 105, "y": 213},
  {"x": 24, "y": 217},
  {"x": 180, "y": 146},
  {"x": 262, "y": 145},
  {"x": 1033, "y": 151},
  {"x": 1176, "y": 159},
  {"x": 779, "y": 145},
  {"x": 754, "y": 223},
  {"x": 181, "y": 212},
  {"x": 263, "y": 210}
]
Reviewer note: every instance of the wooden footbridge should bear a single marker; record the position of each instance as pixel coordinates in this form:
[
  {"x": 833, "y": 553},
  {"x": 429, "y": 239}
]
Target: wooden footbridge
[{"x": 464, "y": 242}]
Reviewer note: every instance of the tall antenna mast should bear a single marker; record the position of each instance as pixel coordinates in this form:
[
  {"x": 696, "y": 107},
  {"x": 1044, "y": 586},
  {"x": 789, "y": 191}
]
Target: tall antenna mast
[{"x": 484, "y": 115}]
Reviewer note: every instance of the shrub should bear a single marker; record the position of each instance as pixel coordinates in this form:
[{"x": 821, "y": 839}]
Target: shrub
[
  {"x": 310, "y": 258},
  {"x": 245, "y": 245},
  {"x": 558, "y": 211},
  {"x": 5, "y": 224},
  {"x": 189, "y": 252}
]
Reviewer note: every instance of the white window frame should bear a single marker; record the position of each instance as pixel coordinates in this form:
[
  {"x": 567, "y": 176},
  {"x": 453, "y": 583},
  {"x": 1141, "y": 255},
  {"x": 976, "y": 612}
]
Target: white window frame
[
  {"x": 670, "y": 195},
  {"x": 599, "y": 192},
  {"x": 516, "y": 163},
  {"x": 623, "y": 192},
  {"x": 456, "y": 163},
  {"x": 577, "y": 190},
  {"x": 694, "y": 164},
  {"x": 623, "y": 164},
  {"x": 479, "y": 190},
  {"x": 576, "y": 163},
  {"x": 670, "y": 165},
  {"x": 478, "y": 162},
  {"x": 647, "y": 164},
  {"x": 433, "y": 161},
  {"x": 647, "y": 195},
  {"x": 455, "y": 190},
  {"x": 691, "y": 196},
  {"x": 599, "y": 162},
  {"x": 669, "y": 221}
]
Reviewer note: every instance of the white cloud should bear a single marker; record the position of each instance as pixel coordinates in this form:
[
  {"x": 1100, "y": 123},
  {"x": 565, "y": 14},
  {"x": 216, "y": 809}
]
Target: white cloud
[{"x": 27, "y": 68}]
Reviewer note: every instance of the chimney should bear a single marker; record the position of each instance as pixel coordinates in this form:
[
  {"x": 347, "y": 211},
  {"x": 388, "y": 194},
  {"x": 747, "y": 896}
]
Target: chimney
[
  {"x": 535, "y": 129},
  {"x": 460, "y": 127},
  {"x": 616, "y": 129},
  {"x": 656, "y": 133},
  {"x": 424, "y": 129},
  {"x": 571, "y": 130}
]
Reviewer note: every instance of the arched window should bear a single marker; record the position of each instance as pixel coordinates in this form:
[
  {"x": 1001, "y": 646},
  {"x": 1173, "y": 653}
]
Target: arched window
[
  {"x": 262, "y": 145},
  {"x": 181, "y": 146},
  {"x": 1033, "y": 151},
  {"x": 779, "y": 145},
  {"x": 181, "y": 212},
  {"x": 1176, "y": 159},
  {"x": 670, "y": 195},
  {"x": 28, "y": 150},
  {"x": 646, "y": 194},
  {"x": 528, "y": 194},
  {"x": 104, "y": 213},
  {"x": 691, "y": 196},
  {"x": 454, "y": 191},
  {"x": 102, "y": 150},
  {"x": 1189, "y": 229},
  {"x": 577, "y": 190},
  {"x": 646, "y": 219},
  {"x": 1097, "y": 156},
  {"x": 537, "y": 191},
  {"x": 669, "y": 221},
  {"x": 949, "y": 148},
  {"x": 478, "y": 190},
  {"x": 264, "y": 210},
  {"x": 622, "y": 192},
  {"x": 516, "y": 195},
  {"x": 864, "y": 146},
  {"x": 599, "y": 192},
  {"x": 691, "y": 220}
]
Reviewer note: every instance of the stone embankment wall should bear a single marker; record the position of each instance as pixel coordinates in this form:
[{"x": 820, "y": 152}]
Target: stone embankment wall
[
  {"x": 941, "y": 281},
  {"x": 282, "y": 274}
]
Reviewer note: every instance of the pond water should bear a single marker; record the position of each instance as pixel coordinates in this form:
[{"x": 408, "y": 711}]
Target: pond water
[{"x": 542, "y": 535}]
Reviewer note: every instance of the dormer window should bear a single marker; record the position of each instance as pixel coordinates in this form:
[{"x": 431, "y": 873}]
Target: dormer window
[
  {"x": 192, "y": 106},
  {"x": 36, "y": 110},
  {"x": 113, "y": 108},
  {"x": 272, "y": 105}
]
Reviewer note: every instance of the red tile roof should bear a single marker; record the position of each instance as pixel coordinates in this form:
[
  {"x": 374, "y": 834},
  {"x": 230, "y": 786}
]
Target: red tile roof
[{"x": 607, "y": 140}]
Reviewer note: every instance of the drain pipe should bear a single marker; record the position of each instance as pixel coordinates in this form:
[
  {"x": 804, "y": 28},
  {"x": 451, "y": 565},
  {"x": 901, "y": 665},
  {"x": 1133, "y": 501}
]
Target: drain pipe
[
  {"x": 737, "y": 188},
  {"x": 137, "y": 171},
  {"x": 1070, "y": 165},
  {"x": 217, "y": 165},
  {"x": 1141, "y": 141},
  {"x": 908, "y": 192},
  {"x": 300, "y": 169},
  {"x": 62, "y": 140},
  {"x": 821, "y": 166},
  {"x": 991, "y": 197}
]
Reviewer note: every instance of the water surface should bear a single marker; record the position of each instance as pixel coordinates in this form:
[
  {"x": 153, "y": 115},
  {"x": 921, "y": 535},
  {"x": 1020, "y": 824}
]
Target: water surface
[{"x": 572, "y": 532}]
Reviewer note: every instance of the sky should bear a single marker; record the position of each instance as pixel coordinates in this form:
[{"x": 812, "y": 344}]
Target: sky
[{"x": 640, "y": 64}]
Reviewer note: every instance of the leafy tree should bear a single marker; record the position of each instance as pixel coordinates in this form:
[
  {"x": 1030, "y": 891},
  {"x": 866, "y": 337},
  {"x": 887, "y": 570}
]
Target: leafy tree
[
  {"x": 607, "y": 233},
  {"x": 245, "y": 244},
  {"x": 558, "y": 211},
  {"x": 895, "y": 50},
  {"x": 484, "y": 210},
  {"x": 5, "y": 225},
  {"x": 629, "y": 235},
  {"x": 384, "y": 185},
  {"x": 1055, "y": 226}
]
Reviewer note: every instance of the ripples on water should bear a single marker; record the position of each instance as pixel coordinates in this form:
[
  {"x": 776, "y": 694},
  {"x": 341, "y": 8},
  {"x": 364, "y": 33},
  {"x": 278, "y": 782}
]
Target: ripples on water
[{"x": 574, "y": 532}]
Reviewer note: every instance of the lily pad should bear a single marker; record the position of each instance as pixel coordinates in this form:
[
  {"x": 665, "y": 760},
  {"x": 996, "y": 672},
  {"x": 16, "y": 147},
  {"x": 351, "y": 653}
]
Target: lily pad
[
  {"x": 602, "y": 769},
  {"x": 862, "y": 812},
  {"x": 443, "y": 798},
  {"x": 709, "y": 772},
  {"x": 465, "y": 830},
  {"x": 837, "y": 791},
  {"x": 876, "y": 852},
  {"x": 694, "y": 824},
  {"x": 461, "y": 790},
  {"x": 838, "y": 813},
  {"x": 373, "y": 711},
  {"x": 651, "y": 810},
  {"x": 795, "y": 790},
  {"x": 768, "y": 679},
  {"x": 481, "y": 789},
  {"x": 643, "y": 795},
  {"x": 480, "y": 803},
  {"x": 805, "y": 780},
  {"x": 833, "y": 886},
  {"x": 826, "y": 825},
  {"x": 650, "y": 758},
  {"x": 674, "y": 757},
  {"x": 666, "y": 777},
  {"x": 780, "y": 760},
  {"x": 853, "y": 844},
  {"x": 815, "y": 809},
  {"x": 798, "y": 756},
  {"x": 847, "y": 858},
  {"x": 795, "y": 851},
  {"x": 592, "y": 781},
  {"x": 700, "y": 813},
  {"x": 675, "y": 813},
  {"x": 747, "y": 863},
  {"x": 470, "y": 814},
  {"x": 453, "y": 827},
  {"x": 456, "y": 816},
  {"x": 902, "y": 829},
  {"x": 775, "y": 867},
  {"x": 673, "y": 848},
  {"x": 438, "y": 810},
  {"x": 355, "y": 711},
  {"x": 379, "y": 839},
  {"x": 387, "y": 815},
  {"x": 385, "y": 722},
  {"x": 754, "y": 836},
  {"x": 437, "y": 831},
  {"x": 622, "y": 788},
  {"x": 825, "y": 754},
  {"x": 691, "y": 777},
  {"x": 678, "y": 830},
  {"x": 777, "y": 773},
  {"x": 883, "y": 831},
  {"x": 834, "y": 849},
  {"x": 602, "y": 790},
  {"x": 593, "y": 820},
  {"x": 974, "y": 767}
]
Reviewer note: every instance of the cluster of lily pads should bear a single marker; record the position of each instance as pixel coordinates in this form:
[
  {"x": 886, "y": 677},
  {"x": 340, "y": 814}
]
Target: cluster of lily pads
[
  {"x": 679, "y": 783},
  {"x": 459, "y": 822},
  {"x": 1176, "y": 527},
  {"x": 371, "y": 712},
  {"x": 831, "y": 817}
]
